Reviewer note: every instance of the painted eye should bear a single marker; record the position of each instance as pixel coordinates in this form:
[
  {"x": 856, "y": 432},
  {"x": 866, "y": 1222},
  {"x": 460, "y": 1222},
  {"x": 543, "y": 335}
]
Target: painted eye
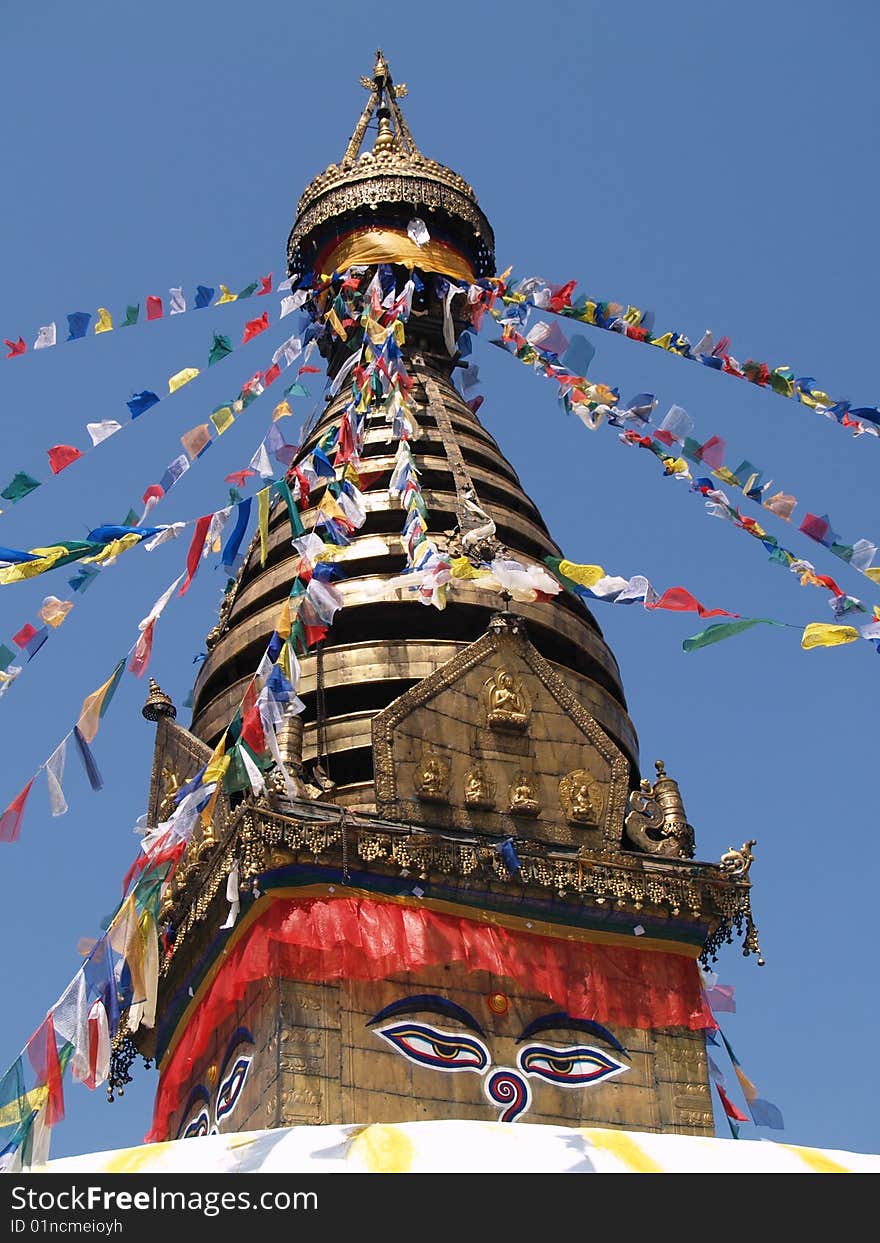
[
  {"x": 200, "y": 1125},
  {"x": 230, "y": 1089},
  {"x": 441, "y": 1050},
  {"x": 575, "y": 1066}
]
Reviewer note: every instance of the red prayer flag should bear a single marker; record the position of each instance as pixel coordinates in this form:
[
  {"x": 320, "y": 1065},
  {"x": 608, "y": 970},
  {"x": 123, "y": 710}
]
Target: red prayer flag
[
  {"x": 195, "y": 550},
  {"x": 729, "y": 1108},
  {"x": 10, "y": 821},
  {"x": 43, "y": 1054},
  {"x": 561, "y": 296},
  {"x": 238, "y": 477},
  {"x": 309, "y": 371},
  {"x": 314, "y": 634},
  {"x": 271, "y": 375},
  {"x": 60, "y": 456},
  {"x": 265, "y": 285},
  {"x": 252, "y": 731},
  {"x": 254, "y": 327},
  {"x": 817, "y": 528},
  {"x": 155, "y": 490},
  {"x": 140, "y": 657},
  {"x": 24, "y": 636},
  {"x": 681, "y": 601},
  {"x": 154, "y": 307},
  {"x": 712, "y": 452},
  {"x": 15, "y": 347}
]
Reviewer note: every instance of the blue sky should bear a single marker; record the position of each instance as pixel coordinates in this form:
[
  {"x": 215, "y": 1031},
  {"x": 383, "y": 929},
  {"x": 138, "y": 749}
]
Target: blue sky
[{"x": 717, "y": 166}]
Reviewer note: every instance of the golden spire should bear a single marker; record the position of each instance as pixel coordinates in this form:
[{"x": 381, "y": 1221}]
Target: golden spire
[
  {"x": 382, "y": 103},
  {"x": 158, "y": 703}
]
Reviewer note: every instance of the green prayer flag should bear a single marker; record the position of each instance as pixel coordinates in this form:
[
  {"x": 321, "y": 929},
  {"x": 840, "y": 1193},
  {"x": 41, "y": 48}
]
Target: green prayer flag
[
  {"x": 844, "y": 551},
  {"x": 724, "y": 630},
  {"x": 131, "y": 316},
  {"x": 296, "y": 390},
  {"x": 20, "y": 486},
  {"x": 296, "y": 526},
  {"x": 6, "y": 657},
  {"x": 248, "y": 289},
  {"x": 220, "y": 348},
  {"x": 234, "y": 496},
  {"x": 691, "y": 449},
  {"x": 130, "y": 519}
]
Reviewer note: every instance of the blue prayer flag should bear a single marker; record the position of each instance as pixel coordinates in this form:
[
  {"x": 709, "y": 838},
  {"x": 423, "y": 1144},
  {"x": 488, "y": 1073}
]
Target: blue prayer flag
[
  {"x": 204, "y": 296},
  {"x": 139, "y": 402},
  {"x": 78, "y": 323}
]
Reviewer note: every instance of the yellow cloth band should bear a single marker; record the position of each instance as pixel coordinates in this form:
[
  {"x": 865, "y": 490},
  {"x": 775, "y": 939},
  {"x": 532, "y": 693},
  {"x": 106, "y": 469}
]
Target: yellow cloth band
[{"x": 369, "y": 246}]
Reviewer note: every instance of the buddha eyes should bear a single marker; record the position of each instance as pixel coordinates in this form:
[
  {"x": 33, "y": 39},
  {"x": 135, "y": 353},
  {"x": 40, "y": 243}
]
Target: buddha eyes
[
  {"x": 230, "y": 1089},
  {"x": 571, "y": 1067},
  {"x": 200, "y": 1125},
  {"x": 440, "y": 1050}
]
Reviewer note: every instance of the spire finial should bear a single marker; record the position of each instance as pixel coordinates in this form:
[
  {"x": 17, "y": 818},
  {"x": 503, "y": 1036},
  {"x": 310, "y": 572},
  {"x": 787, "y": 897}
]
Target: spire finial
[
  {"x": 382, "y": 103},
  {"x": 158, "y": 704}
]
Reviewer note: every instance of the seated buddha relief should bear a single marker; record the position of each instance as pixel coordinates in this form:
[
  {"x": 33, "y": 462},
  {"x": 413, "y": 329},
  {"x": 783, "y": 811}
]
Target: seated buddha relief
[{"x": 506, "y": 701}]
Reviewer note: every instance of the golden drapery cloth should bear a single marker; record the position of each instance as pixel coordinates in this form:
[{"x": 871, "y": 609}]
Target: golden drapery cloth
[{"x": 369, "y": 246}]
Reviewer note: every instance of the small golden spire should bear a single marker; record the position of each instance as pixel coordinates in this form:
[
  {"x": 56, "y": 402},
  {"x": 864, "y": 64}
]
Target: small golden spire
[
  {"x": 158, "y": 704},
  {"x": 385, "y": 139}
]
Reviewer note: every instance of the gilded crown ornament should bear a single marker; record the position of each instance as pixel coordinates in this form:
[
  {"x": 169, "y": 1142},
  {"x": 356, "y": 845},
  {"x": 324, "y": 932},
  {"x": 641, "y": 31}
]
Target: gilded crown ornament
[{"x": 158, "y": 704}]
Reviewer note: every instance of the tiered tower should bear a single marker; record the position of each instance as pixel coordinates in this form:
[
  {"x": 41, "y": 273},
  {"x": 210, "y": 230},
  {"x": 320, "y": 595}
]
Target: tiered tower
[{"x": 472, "y": 907}]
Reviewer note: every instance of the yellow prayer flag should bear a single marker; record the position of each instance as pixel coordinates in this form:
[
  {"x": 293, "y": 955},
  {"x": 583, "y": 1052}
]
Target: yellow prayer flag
[
  {"x": 586, "y": 575},
  {"x": 281, "y": 411},
  {"x": 462, "y": 568},
  {"x": 182, "y": 377},
  {"x": 336, "y": 324},
  {"x": 726, "y": 476},
  {"x": 46, "y": 558},
  {"x": 104, "y": 322},
  {"x": 664, "y": 342},
  {"x": 263, "y": 521},
  {"x": 114, "y": 548},
  {"x": 217, "y": 764},
  {"x": 816, "y": 398},
  {"x": 207, "y": 812},
  {"x": 823, "y": 634},
  {"x": 873, "y": 573},
  {"x": 633, "y": 316},
  {"x": 331, "y": 508},
  {"x": 283, "y": 625},
  {"x": 225, "y": 296},
  {"x": 90, "y": 712},
  {"x": 399, "y": 331},
  {"x": 352, "y": 475},
  {"x": 222, "y": 419},
  {"x": 12, "y": 1113},
  {"x": 53, "y": 611}
]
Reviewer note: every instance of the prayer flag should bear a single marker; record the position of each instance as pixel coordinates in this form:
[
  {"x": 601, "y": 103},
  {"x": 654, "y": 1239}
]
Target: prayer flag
[
  {"x": 254, "y": 327},
  {"x": 230, "y": 551},
  {"x": 173, "y": 471},
  {"x": 24, "y": 636},
  {"x": 53, "y": 611},
  {"x": 263, "y": 522},
  {"x": 195, "y": 550},
  {"x": 154, "y": 307},
  {"x": 16, "y": 347},
  {"x": 271, "y": 375},
  {"x": 100, "y": 431},
  {"x": 248, "y": 290},
  {"x": 54, "y": 777},
  {"x": 265, "y": 285},
  {"x": 10, "y": 821},
  {"x": 95, "y": 779},
  {"x": 42, "y": 1052},
  {"x": 139, "y": 403},
  {"x": 222, "y": 418},
  {"x": 238, "y": 477},
  {"x": 729, "y": 1108},
  {"x": 78, "y": 325},
  {"x": 681, "y": 601},
  {"x": 781, "y": 504},
  {"x": 20, "y": 486},
  {"x": 104, "y": 322},
  {"x": 178, "y": 301},
  {"x": 61, "y": 456},
  {"x": 225, "y": 296},
  {"x": 95, "y": 705},
  {"x": 182, "y": 377},
  {"x": 195, "y": 440},
  {"x": 220, "y": 347},
  {"x": 131, "y": 315},
  {"x": 822, "y": 634},
  {"x": 723, "y": 630},
  {"x": 204, "y": 296},
  {"x": 45, "y": 337}
]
